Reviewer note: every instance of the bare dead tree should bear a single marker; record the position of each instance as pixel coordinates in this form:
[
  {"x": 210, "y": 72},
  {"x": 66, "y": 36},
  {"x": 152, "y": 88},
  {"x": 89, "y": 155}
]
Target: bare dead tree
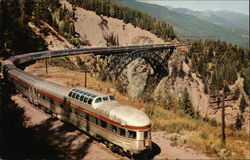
[{"x": 221, "y": 97}]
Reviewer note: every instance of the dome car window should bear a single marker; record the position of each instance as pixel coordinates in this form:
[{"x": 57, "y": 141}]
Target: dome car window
[
  {"x": 85, "y": 100},
  {"x": 77, "y": 96},
  {"x": 90, "y": 101},
  {"x": 74, "y": 95},
  {"x": 105, "y": 98},
  {"x": 98, "y": 100},
  {"x": 70, "y": 94},
  {"x": 112, "y": 98},
  {"x": 81, "y": 98}
]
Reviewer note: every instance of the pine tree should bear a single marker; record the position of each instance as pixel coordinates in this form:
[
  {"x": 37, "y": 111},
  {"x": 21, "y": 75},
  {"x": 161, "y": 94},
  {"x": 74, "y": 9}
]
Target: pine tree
[
  {"x": 185, "y": 103},
  {"x": 242, "y": 104},
  {"x": 181, "y": 71},
  {"x": 238, "y": 121}
]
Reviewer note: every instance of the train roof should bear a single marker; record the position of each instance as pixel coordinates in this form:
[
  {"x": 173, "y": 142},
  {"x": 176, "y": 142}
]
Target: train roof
[
  {"x": 128, "y": 115},
  {"x": 90, "y": 91},
  {"x": 53, "y": 88}
]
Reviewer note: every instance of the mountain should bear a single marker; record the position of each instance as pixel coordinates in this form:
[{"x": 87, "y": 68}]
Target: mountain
[
  {"x": 224, "y": 18},
  {"x": 190, "y": 26}
]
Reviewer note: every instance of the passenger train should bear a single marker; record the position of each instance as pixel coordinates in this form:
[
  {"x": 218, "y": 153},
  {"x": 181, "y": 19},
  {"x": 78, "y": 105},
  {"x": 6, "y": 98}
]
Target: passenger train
[{"x": 123, "y": 128}]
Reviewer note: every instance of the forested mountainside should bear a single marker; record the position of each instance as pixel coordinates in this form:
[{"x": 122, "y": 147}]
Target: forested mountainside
[
  {"x": 219, "y": 64},
  {"x": 128, "y": 15},
  {"x": 227, "y": 19},
  {"x": 17, "y": 17},
  {"x": 16, "y": 36},
  {"x": 189, "y": 26}
]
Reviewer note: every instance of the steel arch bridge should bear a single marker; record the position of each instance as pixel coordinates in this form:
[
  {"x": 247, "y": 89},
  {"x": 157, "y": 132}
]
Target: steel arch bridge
[{"x": 159, "y": 64}]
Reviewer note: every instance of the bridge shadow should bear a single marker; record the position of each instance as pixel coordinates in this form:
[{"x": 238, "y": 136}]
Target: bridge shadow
[{"x": 147, "y": 155}]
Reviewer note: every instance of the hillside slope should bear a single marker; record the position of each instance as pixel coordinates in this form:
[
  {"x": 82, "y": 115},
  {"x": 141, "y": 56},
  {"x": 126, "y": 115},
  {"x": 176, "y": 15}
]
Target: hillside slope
[
  {"x": 189, "y": 26},
  {"x": 97, "y": 29},
  {"x": 224, "y": 18}
]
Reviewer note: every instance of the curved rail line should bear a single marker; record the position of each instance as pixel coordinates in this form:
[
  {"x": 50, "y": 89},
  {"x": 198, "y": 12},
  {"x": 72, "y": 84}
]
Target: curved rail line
[{"x": 23, "y": 58}]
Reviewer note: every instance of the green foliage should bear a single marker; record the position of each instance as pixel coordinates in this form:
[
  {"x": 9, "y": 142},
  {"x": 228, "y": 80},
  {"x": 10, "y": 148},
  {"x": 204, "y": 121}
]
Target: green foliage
[
  {"x": 103, "y": 75},
  {"x": 218, "y": 62},
  {"x": 120, "y": 87},
  {"x": 181, "y": 71},
  {"x": 149, "y": 110},
  {"x": 185, "y": 103},
  {"x": 239, "y": 121},
  {"x": 81, "y": 64},
  {"x": 128, "y": 15},
  {"x": 246, "y": 76},
  {"x": 59, "y": 17},
  {"x": 16, "y": 36},
  {"x": 111, "y": 40},
  {"x": 174, "y": 72},
  {"x": 63, "y": 62}
]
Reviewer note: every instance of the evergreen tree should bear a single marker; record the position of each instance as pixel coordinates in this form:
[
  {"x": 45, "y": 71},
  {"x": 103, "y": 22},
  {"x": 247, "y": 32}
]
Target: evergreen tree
[
  {"x": 238, "y": 121},
  {"x": 185, "y": 103},
  {"x": 181, "y": 71},
  {"x": 243, "y": 104}
]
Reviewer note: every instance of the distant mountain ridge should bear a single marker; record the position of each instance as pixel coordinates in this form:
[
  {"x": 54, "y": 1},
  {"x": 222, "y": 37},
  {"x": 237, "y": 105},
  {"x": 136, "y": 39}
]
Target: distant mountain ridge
[
  {"x": 191, "y": 26},
  {"x": 224, "y": 18}
]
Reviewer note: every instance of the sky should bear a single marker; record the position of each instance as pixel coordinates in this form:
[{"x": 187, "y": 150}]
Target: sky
[{"x": 240, "y": 6}]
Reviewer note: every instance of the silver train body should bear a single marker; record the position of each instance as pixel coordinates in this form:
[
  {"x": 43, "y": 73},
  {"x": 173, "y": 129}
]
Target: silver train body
[{"x": 122, "y": 127}]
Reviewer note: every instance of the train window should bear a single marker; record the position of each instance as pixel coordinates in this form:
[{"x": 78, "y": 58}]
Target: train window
[
  {"x": 87, "y": 117},
  {"x": 114, "y": 129},
  {"x": 85, "y": 100},
  {"x": 90, "y": 101},
  {"x": 112, "y": 98},
  {"x": 105, "y": 98},
  {"x": 89, "y": 95},
  {"x": 98, "y": 100},
  {"x": 81, "y": 98},
  {"x": 146, "y": 135},
  {"x": 77, "y": 96},
  {"x": 74, "y": 95},
  {"x": 93, "y": 96},
  {"x": 70, "y": 94},
  {"x": 61, "y": 105},
  {"x": 70, "y": 109},
  {"x": 122, "y": 132},
  {"x": 96, "y": 120},
  {"x": 85, "y": 93},
  {"x": 132, "y": 134},
  {"x": 103, "y": 124},
  {"x": 51, "y": 101}
]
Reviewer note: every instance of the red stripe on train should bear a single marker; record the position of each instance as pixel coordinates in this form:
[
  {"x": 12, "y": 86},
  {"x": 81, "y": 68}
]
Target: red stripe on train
[{"x": 95, "y": 114}]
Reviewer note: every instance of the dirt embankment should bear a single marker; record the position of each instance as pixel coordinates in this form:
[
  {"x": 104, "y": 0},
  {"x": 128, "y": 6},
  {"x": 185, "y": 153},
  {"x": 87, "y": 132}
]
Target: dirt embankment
[{"x": 96, "y": 28}]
